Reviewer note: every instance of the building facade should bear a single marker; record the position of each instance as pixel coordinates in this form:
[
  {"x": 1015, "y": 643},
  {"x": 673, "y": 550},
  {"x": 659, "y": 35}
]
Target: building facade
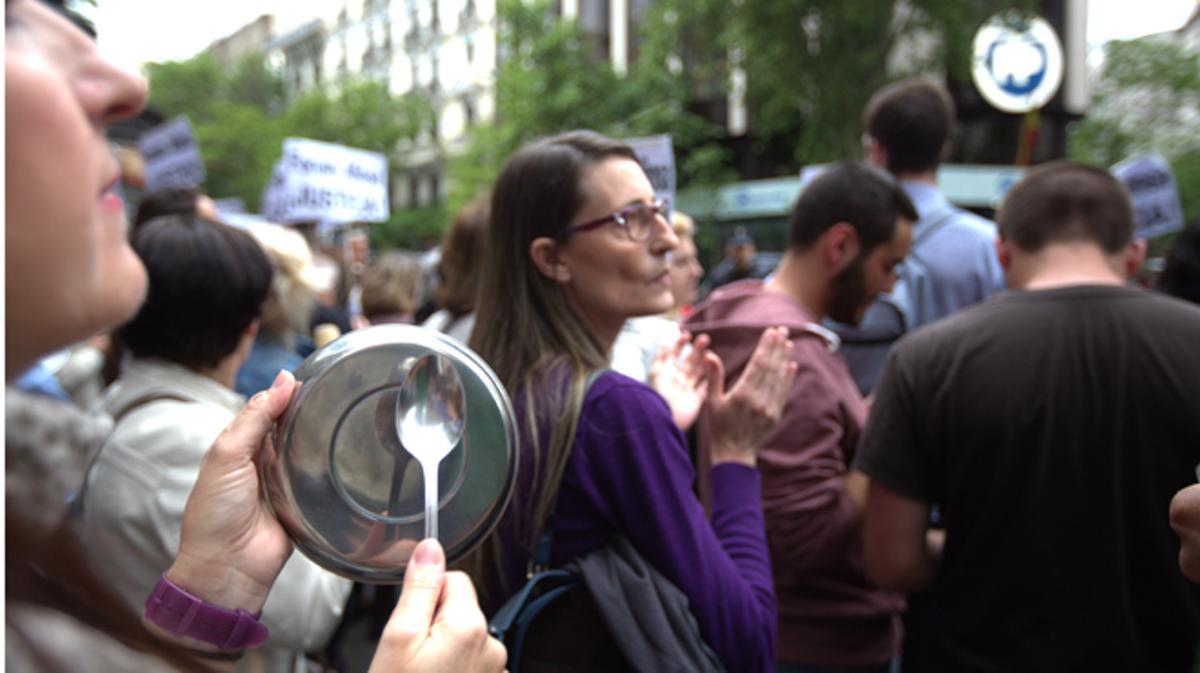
[{"x": 444, "y": 50}]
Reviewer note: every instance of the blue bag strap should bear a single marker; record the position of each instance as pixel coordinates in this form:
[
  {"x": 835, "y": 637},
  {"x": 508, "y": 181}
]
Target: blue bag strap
[{"x": 545, "y": 582}]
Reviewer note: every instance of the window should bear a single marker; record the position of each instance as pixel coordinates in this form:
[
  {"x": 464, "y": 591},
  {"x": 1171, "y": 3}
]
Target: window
[
  {"x": 435, "y": 184},
  {"x": 414, "y": 188}
]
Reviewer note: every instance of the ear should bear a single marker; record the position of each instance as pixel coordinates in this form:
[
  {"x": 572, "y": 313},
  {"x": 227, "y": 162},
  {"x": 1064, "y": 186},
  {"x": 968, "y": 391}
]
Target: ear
[
  {"x": 1003, "y": 252},
  {"x": 840, "y": 246},
  {"x": 545, "y": 255},
  {"x": 252, "y": 328},
  {"x": 1134, "y": 256},
  {"x": 876, "y": 153}
]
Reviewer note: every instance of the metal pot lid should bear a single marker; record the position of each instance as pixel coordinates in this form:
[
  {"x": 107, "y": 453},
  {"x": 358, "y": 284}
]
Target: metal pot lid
[{"x": 339, "y": 478}]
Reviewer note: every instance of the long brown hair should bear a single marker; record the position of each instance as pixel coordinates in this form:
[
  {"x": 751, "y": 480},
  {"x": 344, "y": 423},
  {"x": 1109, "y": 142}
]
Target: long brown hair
[{"x": 525, "y": 327}]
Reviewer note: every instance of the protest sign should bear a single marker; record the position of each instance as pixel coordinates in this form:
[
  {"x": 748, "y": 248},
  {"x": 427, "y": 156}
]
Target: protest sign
[
  {"x": 1152, "y": 188},
  {"x": 657, "y": 156},
  {"x": 272, "y": 193},
  {"x": 318, "y": 181},
  {"x": 171, "y": 156}
]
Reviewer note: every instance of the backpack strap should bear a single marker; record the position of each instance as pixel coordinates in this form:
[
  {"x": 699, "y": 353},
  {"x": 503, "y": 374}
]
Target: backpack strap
[
  {"x": 541, "y": 552},
  {"x": 930, "y": 230},
  {"x": 75, "y": 508},
  {"x": 144, "y": 400}
]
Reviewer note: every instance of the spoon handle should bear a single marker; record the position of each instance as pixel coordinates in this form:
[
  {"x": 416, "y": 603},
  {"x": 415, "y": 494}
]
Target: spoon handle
[{"x": 430, "y": 470}]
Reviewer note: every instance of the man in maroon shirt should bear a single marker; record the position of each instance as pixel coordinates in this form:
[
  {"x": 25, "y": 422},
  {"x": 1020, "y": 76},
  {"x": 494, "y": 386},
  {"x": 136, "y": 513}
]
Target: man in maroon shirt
[{"x": 848, "y": 231}]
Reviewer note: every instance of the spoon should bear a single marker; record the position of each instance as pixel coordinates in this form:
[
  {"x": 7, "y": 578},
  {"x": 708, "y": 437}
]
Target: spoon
[{"x": 430, "y": 415}]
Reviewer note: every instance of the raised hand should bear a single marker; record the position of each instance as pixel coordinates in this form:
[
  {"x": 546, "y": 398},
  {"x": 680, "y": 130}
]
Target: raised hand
[
  {"x": 231, "y": 547},
  {"x": 437, "y": 626},
  {"x": 679, "y": 374},
  {"x": 738, "y": 421}
]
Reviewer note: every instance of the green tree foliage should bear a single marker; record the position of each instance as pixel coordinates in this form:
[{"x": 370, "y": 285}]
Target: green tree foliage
[
  {"x": 410, "y": 229},
  {"x": 1146, "y": 100},
  {"x": 239, "y": 144},
  {"x": 360, "y": 114},
  {"x": 241, "y": 119},
  {"x": 252, "y": 83},
  {"x": 186, "y": 87},
  {"x": 813, "y": 64},
  {"x": 550, "y": 80}
]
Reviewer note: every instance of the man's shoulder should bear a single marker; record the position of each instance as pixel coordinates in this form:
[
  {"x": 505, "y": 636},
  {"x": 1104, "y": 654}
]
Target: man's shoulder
[
  {"x": 746, "y": 303},
  {"x": 959, "y": 229},
  {"x": 1013, "y": 311}
]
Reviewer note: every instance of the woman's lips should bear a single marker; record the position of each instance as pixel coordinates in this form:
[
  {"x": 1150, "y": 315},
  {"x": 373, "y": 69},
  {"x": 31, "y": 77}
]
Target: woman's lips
[{"x": 110, "y": 198}]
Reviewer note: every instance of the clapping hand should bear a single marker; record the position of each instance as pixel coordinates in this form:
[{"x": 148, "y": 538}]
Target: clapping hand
[
  {"x": 679, "y": 374},
  {"x": 739, "y": 420}
]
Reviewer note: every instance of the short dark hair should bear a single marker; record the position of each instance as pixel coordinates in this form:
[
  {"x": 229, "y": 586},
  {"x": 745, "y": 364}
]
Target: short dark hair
[
  {"x": 166, "y": 201},
  {"x": 865, "y": 197},
  {"x": 1181, "y": 275},
  {"x": 1062, "y": 202},
  {"x": 914, "y": 121},
  {"x": 207, "y": 284}
]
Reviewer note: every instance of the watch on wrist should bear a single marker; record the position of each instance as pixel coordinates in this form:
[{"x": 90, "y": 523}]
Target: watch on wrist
[{"x": 178, "y": 612}]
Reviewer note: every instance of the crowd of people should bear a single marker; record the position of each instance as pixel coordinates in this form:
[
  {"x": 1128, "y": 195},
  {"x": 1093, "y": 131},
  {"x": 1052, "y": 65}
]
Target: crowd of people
[{"x": 1004, "y": 481}]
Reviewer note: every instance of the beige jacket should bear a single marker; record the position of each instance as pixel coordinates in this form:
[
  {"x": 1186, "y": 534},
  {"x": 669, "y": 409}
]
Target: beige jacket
[{"x": 138, "y": 485}]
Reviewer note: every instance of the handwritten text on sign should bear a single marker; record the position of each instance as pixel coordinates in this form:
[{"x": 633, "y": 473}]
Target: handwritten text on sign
[
  {"x": 657, "y": 156},
  {"x": 317, "y": 181},
  {"x": 171, "y": 155},
  {"x": 1151, "y": 185}
]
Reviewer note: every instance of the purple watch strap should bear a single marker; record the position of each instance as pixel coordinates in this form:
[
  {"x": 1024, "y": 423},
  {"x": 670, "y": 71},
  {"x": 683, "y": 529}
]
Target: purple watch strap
[{"x": 175, "y": 610}]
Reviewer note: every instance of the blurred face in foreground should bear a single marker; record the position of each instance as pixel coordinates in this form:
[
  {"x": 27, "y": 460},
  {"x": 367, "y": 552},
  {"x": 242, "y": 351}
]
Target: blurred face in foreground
[{"x": 69, "y": 270}]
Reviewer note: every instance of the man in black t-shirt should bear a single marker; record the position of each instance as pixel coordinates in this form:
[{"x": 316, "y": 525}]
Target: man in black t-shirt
[{"x": 1051, "y": 424}]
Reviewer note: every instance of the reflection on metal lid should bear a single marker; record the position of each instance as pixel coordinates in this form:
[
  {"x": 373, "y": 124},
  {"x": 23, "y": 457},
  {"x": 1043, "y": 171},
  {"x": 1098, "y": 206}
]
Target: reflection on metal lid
[{"x": 345, "y": 488}]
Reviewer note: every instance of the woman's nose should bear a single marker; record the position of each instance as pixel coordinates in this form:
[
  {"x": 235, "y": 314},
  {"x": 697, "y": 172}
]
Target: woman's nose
[{"x": 110, "y": 93}]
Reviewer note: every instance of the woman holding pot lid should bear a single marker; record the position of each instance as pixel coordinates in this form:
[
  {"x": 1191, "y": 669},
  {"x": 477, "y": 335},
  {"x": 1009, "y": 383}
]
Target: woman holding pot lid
[{"x": 70, "y": 273}]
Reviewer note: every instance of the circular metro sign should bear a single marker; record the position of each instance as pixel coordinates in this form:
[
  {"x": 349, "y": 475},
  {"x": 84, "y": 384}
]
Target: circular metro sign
[{"x": 1017, "y": 63}]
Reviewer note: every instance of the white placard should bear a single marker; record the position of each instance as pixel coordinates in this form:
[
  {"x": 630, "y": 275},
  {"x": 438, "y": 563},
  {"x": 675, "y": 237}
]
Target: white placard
[
  {"x": 657, "y": 156},
  {"x": 1151, "y": 185},
  {"x": 1017, "y": 63},
  {"x": 318, "y": 181},
  {"x": 272, "y": 192},
  {"x": 171, "y": 155}
]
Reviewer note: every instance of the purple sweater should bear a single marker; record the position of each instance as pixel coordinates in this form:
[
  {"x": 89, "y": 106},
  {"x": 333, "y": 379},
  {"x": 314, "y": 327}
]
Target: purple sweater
[{"x": 629, "y": 473}]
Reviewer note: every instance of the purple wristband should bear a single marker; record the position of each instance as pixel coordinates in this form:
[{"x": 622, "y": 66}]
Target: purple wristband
[{"x": 176, "y": 611}]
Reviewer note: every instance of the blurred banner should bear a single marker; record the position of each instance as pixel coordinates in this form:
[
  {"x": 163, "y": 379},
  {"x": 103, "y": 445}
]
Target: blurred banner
[
  {"x": 317, "y": 181},
  {"x": 657, "y": 156},
  {"x": 171, "y": 155},
  {"x": 1151, "y": 185}
]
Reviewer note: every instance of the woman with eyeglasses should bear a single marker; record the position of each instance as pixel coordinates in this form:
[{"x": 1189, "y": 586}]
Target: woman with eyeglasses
[
  {"x": 70, "y": 273},
  {"x": 577, "y": 245}
]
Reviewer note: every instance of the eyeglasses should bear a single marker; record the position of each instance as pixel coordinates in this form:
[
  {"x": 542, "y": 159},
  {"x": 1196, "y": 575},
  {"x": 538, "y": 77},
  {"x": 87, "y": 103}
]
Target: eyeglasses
[{"x": 637, "y": 220}]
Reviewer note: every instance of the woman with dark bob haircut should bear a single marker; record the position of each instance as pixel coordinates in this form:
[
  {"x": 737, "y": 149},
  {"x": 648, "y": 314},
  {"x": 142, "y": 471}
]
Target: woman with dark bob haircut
[
  {"x": 174, "y": 396},
  {"x": 577, "y": 244}
]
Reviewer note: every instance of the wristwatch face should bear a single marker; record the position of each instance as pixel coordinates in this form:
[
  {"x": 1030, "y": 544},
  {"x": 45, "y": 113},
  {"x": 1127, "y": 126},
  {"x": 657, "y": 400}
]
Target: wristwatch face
[{"x": 347, "y": 479}]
